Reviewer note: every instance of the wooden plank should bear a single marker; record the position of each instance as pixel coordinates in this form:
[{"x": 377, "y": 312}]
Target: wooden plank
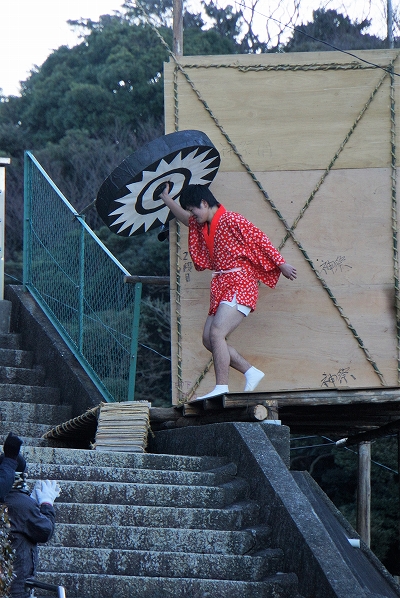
[
  {"x": 329, "y": 350},
  {"x": 215, "y": 404},
  {"x": 325, "y": 104},
  {"x": 192, "y": 410}
]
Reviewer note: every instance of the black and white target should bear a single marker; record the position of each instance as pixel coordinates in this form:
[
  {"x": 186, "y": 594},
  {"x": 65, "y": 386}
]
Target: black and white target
[{"x": 128, "y": 201}]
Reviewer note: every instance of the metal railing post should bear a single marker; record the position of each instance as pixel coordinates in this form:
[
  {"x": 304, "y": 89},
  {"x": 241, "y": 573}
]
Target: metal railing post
[
  {"x": 3, "y": 163},
  {"x": 81, "y": 289},
  {"x": 27, "y": 220},
  {"x": 134, "y": 342}
]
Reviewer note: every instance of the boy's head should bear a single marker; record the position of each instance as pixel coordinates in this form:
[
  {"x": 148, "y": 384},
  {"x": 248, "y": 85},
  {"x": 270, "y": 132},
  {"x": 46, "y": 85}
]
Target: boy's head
[{"x": 193, "y": 195}]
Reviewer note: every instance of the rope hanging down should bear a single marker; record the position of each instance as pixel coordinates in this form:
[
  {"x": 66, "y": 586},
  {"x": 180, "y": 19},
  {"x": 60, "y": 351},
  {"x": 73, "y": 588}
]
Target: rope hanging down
[{"x": 394, "y": 215}]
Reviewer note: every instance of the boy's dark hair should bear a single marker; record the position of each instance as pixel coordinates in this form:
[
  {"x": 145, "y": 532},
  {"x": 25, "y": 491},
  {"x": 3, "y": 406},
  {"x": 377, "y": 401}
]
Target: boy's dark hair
[{"x": 193, "y": 195}]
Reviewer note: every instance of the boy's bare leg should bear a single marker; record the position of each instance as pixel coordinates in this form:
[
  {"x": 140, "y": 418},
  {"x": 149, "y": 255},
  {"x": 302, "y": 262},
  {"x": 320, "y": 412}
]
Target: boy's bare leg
[{"x": 216, "y": 329}]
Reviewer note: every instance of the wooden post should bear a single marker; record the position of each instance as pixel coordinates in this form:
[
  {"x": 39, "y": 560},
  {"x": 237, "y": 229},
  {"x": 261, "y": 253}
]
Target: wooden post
[
  {"x": 178, "y": 28},
  {"x": 364, "y": 492},
  {"x": 390, "y": 24}
]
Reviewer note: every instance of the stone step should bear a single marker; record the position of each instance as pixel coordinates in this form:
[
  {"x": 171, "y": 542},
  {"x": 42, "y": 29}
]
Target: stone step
[
  {"x": 167, "y": 539},
  {"x": 35, "y": 413},
  {"x": 28, "y": 432},
  {"x": 10, "y": 340},
  {"x": 36, "y": 441},
  {"x": 103, "y": 561},
  {"x": 281, "y": 585},
  {"x": 29, "y": 394},
  {"x": 153, "y": 494},
  {"x": 115, "y": 459},
  {"x": 235, "y": 517},
  {"x": 132, "y": 476},
  {"x": 18, "y": 375},
  {"x": 16, "y": 358}
]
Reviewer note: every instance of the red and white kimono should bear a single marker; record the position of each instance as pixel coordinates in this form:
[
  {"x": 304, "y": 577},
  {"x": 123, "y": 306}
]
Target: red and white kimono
[{"x": 240, "y": 255}]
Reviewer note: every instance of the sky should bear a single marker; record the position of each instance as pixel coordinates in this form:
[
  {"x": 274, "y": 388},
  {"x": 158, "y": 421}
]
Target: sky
[{"x": 31, "y": 29}]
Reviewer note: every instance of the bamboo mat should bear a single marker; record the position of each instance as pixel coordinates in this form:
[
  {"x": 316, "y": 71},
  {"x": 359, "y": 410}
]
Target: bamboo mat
[{"x": 123, "y": 427}]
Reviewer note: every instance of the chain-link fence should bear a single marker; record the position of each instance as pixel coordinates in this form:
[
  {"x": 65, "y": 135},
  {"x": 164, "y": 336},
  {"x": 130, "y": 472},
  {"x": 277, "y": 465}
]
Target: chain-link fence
[{"x": 80, "y": 286}]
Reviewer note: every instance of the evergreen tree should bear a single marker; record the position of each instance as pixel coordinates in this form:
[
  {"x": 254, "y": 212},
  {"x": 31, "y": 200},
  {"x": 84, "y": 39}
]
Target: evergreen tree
[{"x": 333, "y": 28}]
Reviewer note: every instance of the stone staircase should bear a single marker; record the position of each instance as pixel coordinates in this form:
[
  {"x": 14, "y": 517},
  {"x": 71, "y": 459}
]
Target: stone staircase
[
  {"x": 27, "y": 407},
  {"x": 129, "y": 524}
]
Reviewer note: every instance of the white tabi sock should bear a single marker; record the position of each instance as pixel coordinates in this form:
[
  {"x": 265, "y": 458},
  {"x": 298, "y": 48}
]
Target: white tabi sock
[
  {"x": 253, "y": 378},
  {"x": 218, "y": 390}
]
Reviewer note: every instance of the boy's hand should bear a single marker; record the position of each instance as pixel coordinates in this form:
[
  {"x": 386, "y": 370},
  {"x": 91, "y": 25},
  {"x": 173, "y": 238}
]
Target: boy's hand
[
  {"x": 288, "y": 271},
  {"x": 165, "y": 194}
]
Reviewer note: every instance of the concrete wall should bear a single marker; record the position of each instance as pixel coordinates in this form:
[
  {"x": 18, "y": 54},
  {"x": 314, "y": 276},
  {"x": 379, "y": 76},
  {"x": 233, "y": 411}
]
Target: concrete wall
[
  {"x": 257, "y": 450},
  {"x": 63, "y": 370}
]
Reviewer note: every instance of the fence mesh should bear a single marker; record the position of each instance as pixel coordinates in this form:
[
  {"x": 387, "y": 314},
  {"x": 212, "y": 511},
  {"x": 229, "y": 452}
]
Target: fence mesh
[{"x": 78, "y": 284}]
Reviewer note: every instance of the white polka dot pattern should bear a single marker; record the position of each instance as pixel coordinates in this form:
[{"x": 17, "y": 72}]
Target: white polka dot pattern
[{"x": 237, "y": 243}]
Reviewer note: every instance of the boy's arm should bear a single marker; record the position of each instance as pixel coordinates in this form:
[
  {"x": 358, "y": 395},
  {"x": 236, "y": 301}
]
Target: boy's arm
[{"x": 177, "y": 210}]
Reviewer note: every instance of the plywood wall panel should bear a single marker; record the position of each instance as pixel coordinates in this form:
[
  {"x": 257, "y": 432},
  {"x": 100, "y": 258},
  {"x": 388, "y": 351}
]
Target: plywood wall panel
[
  {"x": 288, "y": 126},
  {"x": 325, "y": 104}
]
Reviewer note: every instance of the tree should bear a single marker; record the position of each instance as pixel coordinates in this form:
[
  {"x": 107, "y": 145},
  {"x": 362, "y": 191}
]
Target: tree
[
  {"x": 88, "y": 107},
  {"x": 333, "y": 28}
]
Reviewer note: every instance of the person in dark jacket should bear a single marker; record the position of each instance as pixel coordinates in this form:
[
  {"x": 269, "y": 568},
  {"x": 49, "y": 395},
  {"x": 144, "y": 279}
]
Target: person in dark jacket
[
  {"x": 32, "y": 521},
  {"x": 8, "y": 465}
]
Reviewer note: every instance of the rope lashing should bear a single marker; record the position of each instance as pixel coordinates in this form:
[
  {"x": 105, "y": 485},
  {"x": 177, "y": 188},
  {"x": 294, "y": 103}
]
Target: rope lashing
[
  {"x": 289, "y": 231},
  {"x": 282, "y": 67},
  {"x": 393, "y": 178},
  {"x": 335, "y": 157}
]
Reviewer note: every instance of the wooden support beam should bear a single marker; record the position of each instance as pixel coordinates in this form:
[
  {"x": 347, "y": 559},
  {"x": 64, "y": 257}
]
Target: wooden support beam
[
  {"x": 163, "y": 414},
  {"x": 255, "y": 413},
  {"x": 156, "y": 280},
  {"x": 364, "y": 492}
]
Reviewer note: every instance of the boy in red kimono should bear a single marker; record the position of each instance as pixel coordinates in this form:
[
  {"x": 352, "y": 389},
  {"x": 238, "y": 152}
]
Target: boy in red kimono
[{"x": 240, "y": 255}]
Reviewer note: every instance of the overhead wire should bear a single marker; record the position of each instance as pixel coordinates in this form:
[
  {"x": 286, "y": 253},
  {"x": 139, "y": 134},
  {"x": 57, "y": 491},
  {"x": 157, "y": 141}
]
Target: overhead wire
[
  {"x": 332, "y": 442},
  {"x": 297, "y": 30}
]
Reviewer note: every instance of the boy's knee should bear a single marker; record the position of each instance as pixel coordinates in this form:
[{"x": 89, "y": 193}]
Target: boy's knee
[
  {"x": 216, "y": 333},
  {"x": 206, "y": 343}
]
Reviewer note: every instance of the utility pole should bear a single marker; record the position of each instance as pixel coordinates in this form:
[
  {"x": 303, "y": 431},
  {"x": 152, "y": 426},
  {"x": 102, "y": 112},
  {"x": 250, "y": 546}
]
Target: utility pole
[
  {"x": 178, "y": 28},
  {"x": 390, "y": 24}
]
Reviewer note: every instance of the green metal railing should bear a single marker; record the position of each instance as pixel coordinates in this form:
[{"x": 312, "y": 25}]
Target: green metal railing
[{"x": 80, "y": 286}]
